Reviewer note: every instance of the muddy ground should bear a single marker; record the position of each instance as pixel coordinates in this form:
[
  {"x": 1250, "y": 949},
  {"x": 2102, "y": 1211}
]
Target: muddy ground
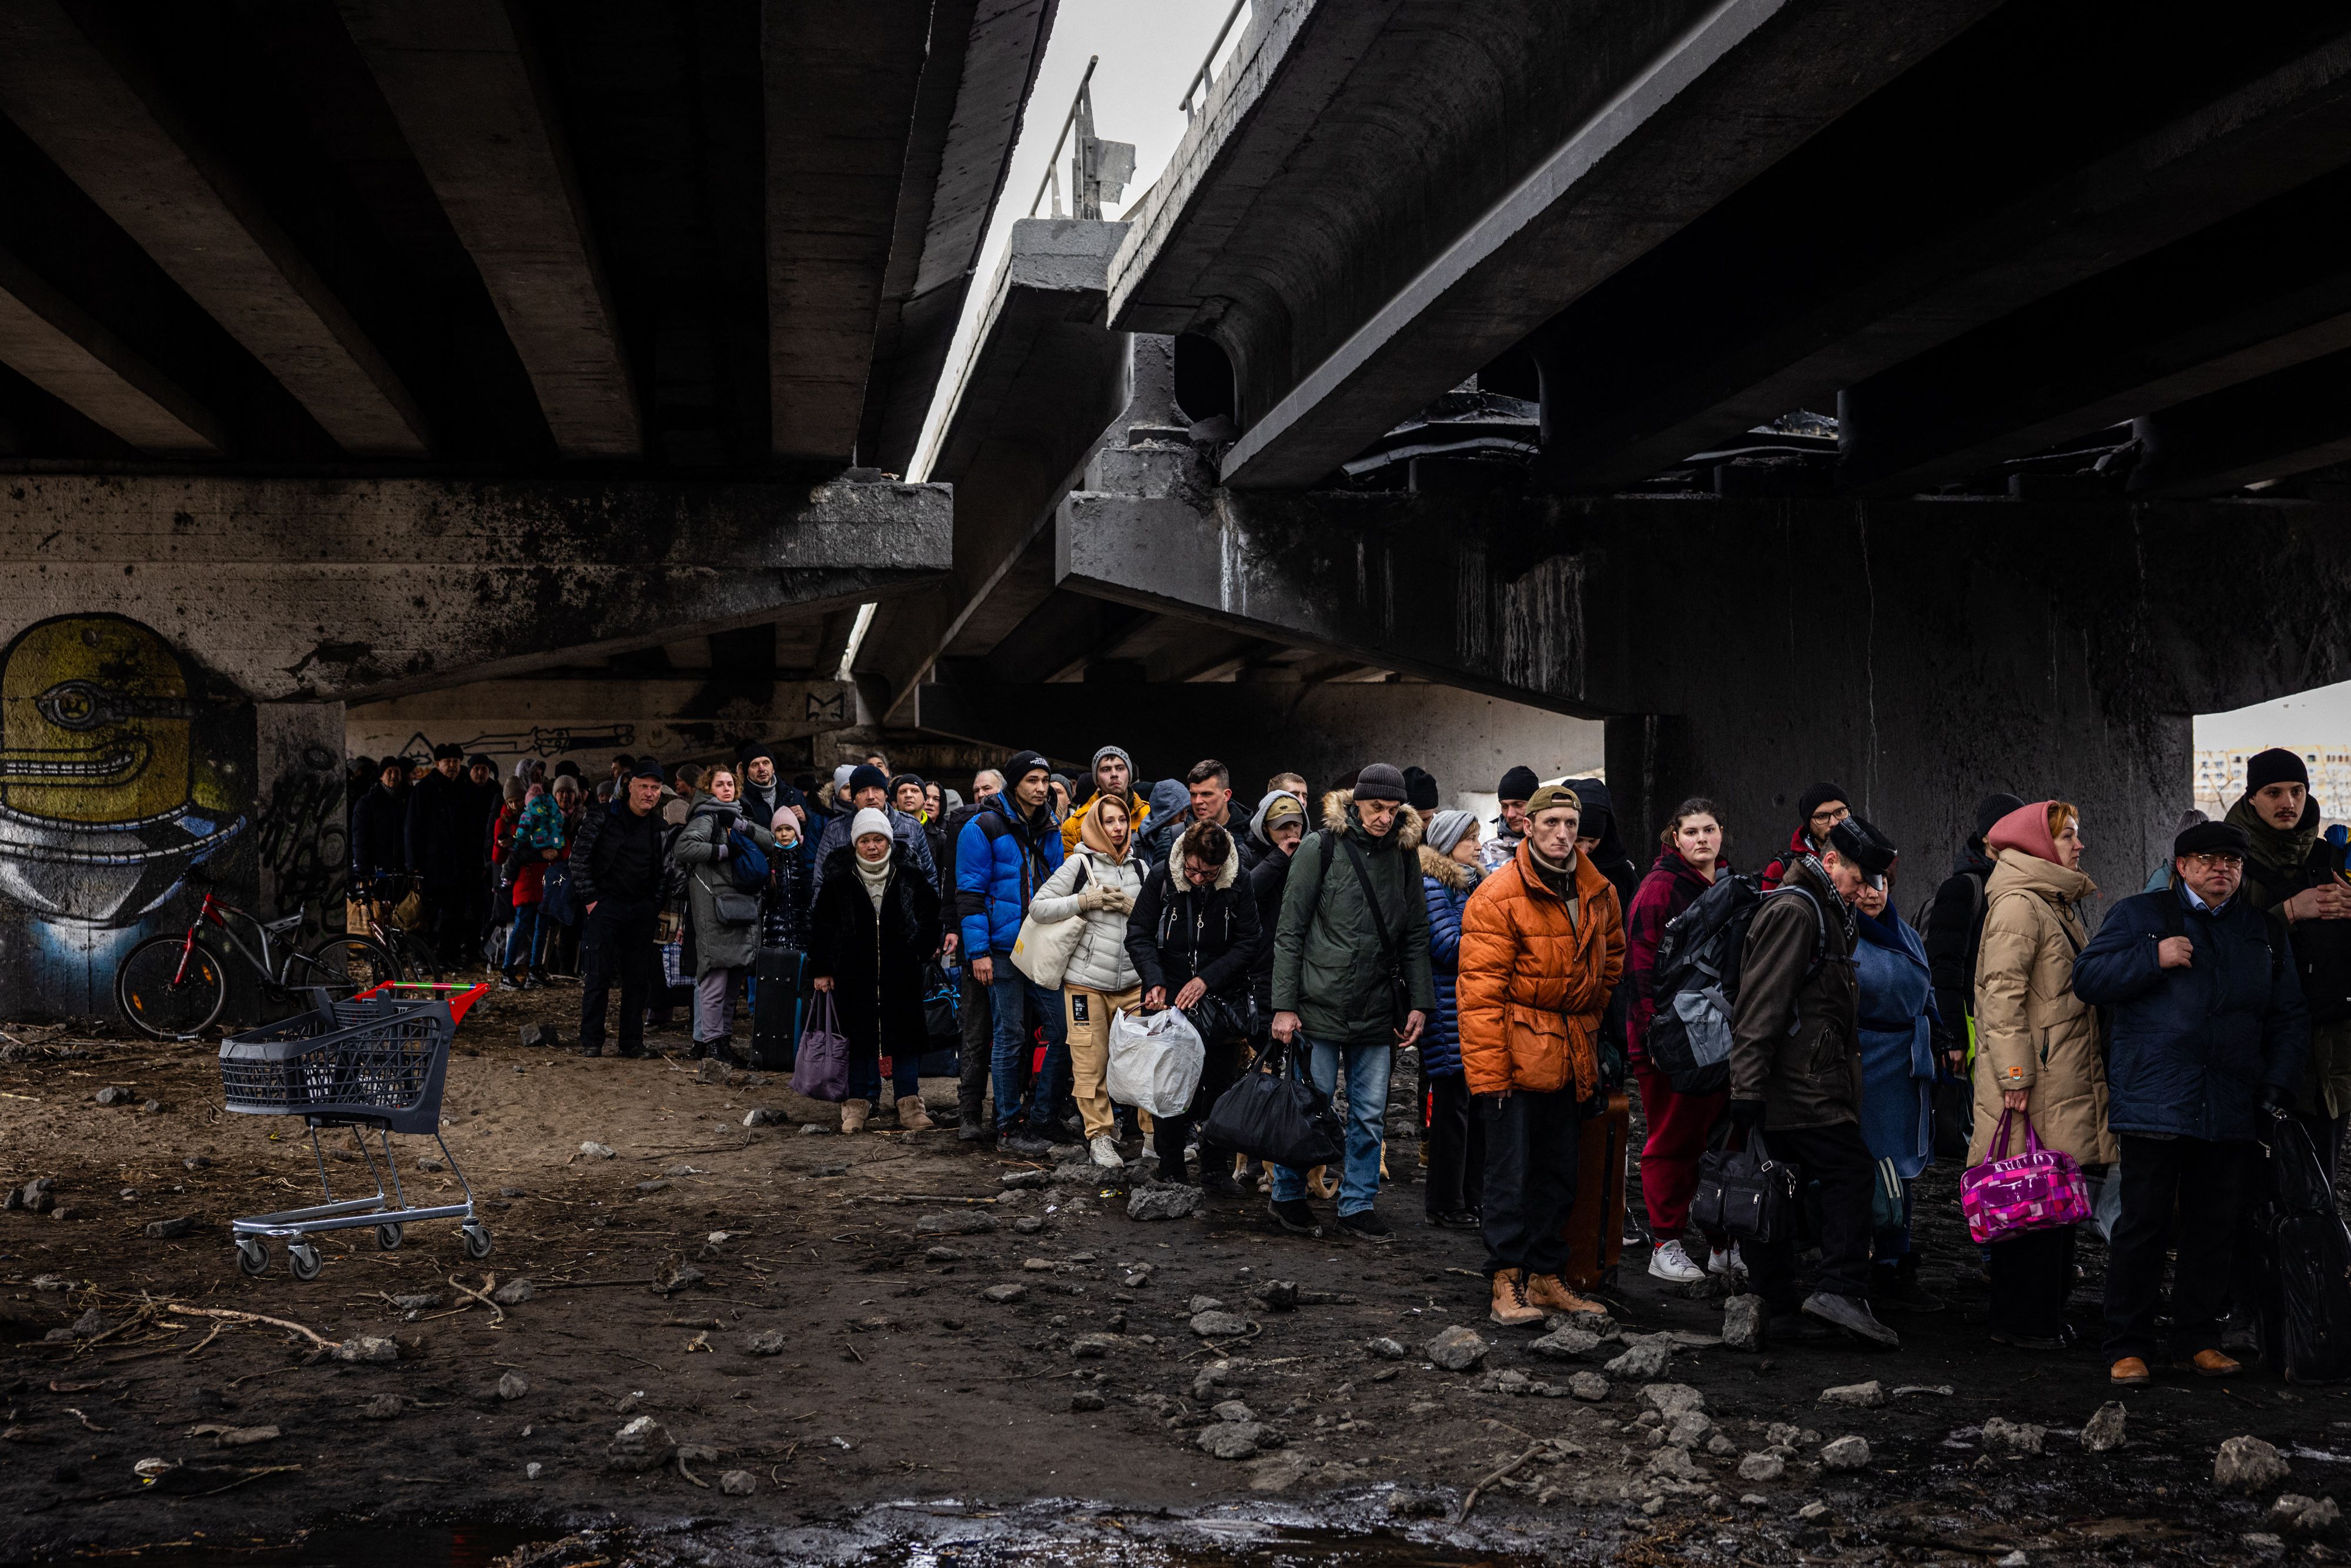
[{"x": 903, "y": 1404}]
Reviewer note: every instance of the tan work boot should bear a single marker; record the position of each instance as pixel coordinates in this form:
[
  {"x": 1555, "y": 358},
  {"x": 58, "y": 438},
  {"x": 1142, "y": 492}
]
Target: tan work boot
[
  {"x": 1550, "y": 1293},
  {"x": 854, "y": 1113},
  {"x": 911, "y": 1116},
  {"x": 1512, "y": 1309}
]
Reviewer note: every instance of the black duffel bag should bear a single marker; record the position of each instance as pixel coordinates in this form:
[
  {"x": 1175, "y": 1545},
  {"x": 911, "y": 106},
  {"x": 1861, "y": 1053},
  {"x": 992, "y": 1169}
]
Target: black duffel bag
[
  {"x": 1279, "y": 1117},
  {"x": 2304, "y": 1263},
  {"x": 1744, "y": 1192}
]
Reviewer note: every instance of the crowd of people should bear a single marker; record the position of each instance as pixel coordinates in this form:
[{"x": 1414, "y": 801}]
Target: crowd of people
[{"x": 1524, "y": 960}]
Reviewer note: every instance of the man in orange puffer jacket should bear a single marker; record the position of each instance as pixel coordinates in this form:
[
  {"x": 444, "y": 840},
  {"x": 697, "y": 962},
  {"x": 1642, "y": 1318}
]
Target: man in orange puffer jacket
[{"x": 1542, "y": 947}]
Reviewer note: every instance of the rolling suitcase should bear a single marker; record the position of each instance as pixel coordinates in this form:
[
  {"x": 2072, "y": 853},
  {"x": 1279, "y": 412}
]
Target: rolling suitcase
[
  {"x": 1595, "y": 1229},
  {"x": 779, "y": 984}
]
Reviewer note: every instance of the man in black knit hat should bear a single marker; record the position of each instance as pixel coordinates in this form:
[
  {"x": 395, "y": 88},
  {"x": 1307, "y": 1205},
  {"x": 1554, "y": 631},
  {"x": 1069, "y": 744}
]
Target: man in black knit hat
[{"x": 1518, "y": 787}]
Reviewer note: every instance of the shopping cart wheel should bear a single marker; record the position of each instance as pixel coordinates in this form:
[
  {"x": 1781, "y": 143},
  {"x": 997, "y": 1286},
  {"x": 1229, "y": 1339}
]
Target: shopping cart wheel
[
  {"x": 252, "y": 1256},
  {"x": 302, "y": 1259},
  {"x": 478, "y": 1242},
  {"x": 387, "y": 1238}
]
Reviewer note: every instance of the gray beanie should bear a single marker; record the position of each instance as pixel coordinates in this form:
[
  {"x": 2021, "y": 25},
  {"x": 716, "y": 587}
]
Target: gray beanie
[
  {"x": 1445, "y": 829},
  {"x": 1117, "y": 752}
]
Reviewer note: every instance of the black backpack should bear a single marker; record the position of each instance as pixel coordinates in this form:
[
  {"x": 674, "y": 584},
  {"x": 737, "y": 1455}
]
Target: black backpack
[{"x": 1698, "y": 981}]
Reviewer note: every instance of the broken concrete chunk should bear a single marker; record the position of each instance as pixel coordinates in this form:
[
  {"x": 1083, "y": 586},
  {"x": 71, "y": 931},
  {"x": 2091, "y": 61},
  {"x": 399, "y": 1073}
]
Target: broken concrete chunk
[
  {"x": 1859, "y": 1395},
  {"x": 1566, "y": 1343},
  {"x": 367, "y": 1348},
  {"x": 954, "y": 1222},
  {"x": 1848, "y": 1453},
  {"x": 1384, "y": 1348},
  {"x": 738, "y": 1483},
  {"x": 513, "y": 1293},
  {"x": 766, "y": 1342},
  {"x": 1163, "y": 1202},
  {"x": 1219, "y": 1325},
  {"x": 1003, "y": 1294},
  {"x": 644, "y": 1444},
  {"x": 382, "y": 1407},
  {"x": 512, "y": 1385},
  {"x": 1672, "y": 1399},
  {"x": 1643, "y": 1361},
  {"x": 596, "y": 1151},
  {"x": 2248, "y": 1464},
  {"x": 1093, "y": 1346},
  {"x": 2012, "y": 1438},
  {"x": 1232, "y": 1439},
  {"x": 115, "y": 1095},
  {"x": 2103, "y": 1432},
  {"x": 1588, "y": 1386},
  {"x": 1024, "y": 1179},
  {"x": 169, "y": 1229},
  {"x": 1762, "y": 1467},
  {"x": 1457, "y": 1349}
]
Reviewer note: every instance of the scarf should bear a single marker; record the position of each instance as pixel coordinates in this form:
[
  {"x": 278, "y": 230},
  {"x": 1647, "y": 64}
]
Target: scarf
[
  {"x": 2278, "y": 853},
  {"x": 1811, "y": 864},
  {"x": 1558, "y": 877},
  {"x": 875, "y": 875}
]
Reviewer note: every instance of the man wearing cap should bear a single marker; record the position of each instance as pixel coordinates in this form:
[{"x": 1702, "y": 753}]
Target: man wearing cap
[
  {"x": 2209, "y": 1038},
  {"x": 1509, "y": 827},
  {"x": 1113, "y": 775},
  {"x": 869, "y": 790},
  {"x": 1007, "y": 852},
  {"x": 1351, "y": 982},
  {"x": 616, "y": 877},
  {"x": 1795, "y": 1076},
  {"x": 2290, "y": 869},
  {"x": 1542, "y": 947}
]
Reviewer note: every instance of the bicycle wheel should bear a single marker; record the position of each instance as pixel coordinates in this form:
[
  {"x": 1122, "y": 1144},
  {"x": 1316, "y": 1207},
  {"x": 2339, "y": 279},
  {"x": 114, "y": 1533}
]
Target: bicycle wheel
[
  {"x": 161, "y": 998},
  {"x": 344, "y": 965}
]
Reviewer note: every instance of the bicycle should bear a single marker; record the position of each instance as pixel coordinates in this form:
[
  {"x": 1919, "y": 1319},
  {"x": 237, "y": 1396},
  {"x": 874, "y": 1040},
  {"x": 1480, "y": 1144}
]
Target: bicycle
[
  {"x": 377, "y": 899},
  {"x": 173, "y": 988}
]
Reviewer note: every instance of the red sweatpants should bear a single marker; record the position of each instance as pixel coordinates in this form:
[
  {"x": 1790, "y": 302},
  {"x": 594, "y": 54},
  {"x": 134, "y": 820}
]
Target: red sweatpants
[{"x": 1678, "y": 1125}]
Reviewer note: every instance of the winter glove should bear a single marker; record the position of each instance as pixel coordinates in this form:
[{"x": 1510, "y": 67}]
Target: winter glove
[
  {"x": 1746, "y": 1115},
  {"x": 1095, "y": 896},
  {"x": 2277, "y": 1101},
  {"x": 1118, "y": 900}
]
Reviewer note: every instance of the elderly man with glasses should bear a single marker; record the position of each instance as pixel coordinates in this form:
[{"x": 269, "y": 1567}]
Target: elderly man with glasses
[{"x": 2210, "y": 1032}]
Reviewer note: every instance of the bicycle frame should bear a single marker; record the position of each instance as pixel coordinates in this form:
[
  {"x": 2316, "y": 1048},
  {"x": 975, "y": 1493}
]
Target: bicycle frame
[{"x": 217, "y": 911}]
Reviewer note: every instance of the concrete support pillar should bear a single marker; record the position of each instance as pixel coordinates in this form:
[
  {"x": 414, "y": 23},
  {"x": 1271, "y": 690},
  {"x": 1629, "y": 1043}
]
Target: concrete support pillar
[{"x": 301, "y": 844}]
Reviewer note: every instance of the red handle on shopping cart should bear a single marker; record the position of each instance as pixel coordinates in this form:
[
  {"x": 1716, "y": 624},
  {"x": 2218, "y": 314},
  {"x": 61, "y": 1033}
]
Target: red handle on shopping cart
[{"x": 459, "y": 997}]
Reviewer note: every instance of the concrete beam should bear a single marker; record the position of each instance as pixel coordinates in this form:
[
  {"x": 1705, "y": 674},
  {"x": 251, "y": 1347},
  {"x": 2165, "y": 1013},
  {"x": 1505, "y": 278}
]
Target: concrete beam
[
  {"x": 1483, "y": 593},
  {"x": 64, "y": 351},
  {"x": 2290, "y": 423},
  {"x": 1682, "y": 354},
  {"x": 1044, "y": 383},
  {"x": 310, "y": 588},
  {"x": 1522, "y": 156},
  {"x": 591, "y": 721},
  {"x": 88, "y": 104},
  {"x": 842, "y": 85},
  {"x": 977, "y": 77},
  {"x": 1321, "y": 731},
  {"x": 472, "y": 101}
]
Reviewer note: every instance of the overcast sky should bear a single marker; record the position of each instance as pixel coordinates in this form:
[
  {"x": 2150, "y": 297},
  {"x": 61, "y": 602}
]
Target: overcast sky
[
  {"x": 1148, "y": 50},
  {"x": 2318, "y": 716}
]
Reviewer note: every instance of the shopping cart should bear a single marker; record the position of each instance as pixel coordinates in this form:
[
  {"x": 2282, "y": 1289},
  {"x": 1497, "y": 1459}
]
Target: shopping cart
[{"x": 374, "y": 1060}]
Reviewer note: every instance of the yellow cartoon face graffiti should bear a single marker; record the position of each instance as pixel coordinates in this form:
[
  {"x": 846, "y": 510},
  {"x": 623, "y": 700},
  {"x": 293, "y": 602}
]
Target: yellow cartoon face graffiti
[{"x": 94, "y": 722}]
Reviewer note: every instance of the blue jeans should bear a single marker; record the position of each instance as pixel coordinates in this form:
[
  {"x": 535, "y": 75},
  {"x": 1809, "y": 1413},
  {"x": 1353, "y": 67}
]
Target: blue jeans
[
  {"x": 865, "y": 1076},
  {"x": 1367, "y": 1108},
  {"x": 1011, "y": 995},
  {"x": 525, "y": 938}
]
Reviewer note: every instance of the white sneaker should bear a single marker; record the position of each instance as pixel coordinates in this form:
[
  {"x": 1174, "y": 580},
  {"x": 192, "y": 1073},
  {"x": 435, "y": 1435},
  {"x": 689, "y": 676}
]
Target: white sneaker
[
  {"x": 1668, "y": 1261},
  {"x": 1106, "y": 1153},
  {"x": 1726, "y": 1261}
]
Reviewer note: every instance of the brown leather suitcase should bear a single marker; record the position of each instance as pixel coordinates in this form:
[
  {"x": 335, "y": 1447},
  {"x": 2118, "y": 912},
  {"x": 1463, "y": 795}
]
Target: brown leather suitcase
[{"x": 1595, "y": 1229}]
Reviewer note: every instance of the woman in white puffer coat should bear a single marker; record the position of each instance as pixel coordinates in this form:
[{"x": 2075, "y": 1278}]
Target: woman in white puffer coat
[{"x": 1097, "y": 883}]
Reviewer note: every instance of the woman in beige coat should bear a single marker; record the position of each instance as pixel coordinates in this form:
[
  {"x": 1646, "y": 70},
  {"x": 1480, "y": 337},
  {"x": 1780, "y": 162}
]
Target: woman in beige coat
[{"x": 2036, "y": 1051}]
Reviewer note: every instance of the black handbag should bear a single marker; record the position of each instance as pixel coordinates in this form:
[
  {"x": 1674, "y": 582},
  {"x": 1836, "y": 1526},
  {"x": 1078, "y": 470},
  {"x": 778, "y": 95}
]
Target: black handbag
[
  {"x": 1220, "y": 1022},
  {"x": 1744, "y": 1192},
  {"x": 1279, "y": 1117},
  {"x": 942, "y": 1003}
]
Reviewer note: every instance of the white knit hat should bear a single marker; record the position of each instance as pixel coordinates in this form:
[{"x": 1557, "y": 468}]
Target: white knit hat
[{"x": 868, "y": 821}]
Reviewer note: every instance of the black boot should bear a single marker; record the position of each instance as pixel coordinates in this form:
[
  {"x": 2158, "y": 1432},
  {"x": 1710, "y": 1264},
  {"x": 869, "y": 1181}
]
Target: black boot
[{"x": 1895, "y": 1287}]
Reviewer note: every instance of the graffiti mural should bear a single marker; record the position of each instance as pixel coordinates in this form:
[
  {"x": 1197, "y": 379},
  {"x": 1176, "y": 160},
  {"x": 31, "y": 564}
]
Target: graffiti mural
[
  {"x": 302, "y": 836},
  {"x": 117, "y": 772}
]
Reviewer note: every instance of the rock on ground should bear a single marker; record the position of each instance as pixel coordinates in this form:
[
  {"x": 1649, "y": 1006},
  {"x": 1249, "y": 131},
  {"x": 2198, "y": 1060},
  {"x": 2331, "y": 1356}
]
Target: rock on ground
[
  {"x": 1566, "y": 1343},
  {"x": 1000, "y": 1294},
  {"x": 1588, "y": 1386},
  {"x": 1457, "y": 1349},
  {"x": 2103, "y": 1432},
  {"x": 2299, "y": 1515},
  {"x": 169, "y": 1229},
  {"x": 2013, "y": 1437},
  {"x": 738, "y": 1483},
  {"x": 1218, "y": 1324},
  {"x": 2248, "y": 1464},
  {"x": 367, "y": 1347},
  {"x": 1163, "y": 1202},
  {"x": 513, "y": 1293},
  {"x": 1231, "y": 1439},
  {"x": 1643, "y": 1362},
  {"x": 1848, "y": 1453},
  {"x": 766, "y": 1342},
  {"x": 1743, "y": 1323},
  {"x": 1386, "y": 1349},
  {"x": 1762, "y": 1467},
  {"x": 642, "y": 1445},
  {"x": 1672, "y": 1399},
  {"x": 596, "y": 1151},
  {"x": 954, "y": 1222},
  {"x": 512, "y": 1385},
  {"x": 1858, "y": 1395}
]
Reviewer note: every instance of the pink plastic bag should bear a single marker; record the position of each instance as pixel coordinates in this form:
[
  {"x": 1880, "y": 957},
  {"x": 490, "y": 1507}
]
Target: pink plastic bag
[{"x": 2010, "y": 1193}]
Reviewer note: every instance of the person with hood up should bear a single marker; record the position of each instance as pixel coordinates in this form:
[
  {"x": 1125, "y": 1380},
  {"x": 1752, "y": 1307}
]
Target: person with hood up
[
  {"x": 1542, "y": 947},
  {"x": 1955, "y": 931},
  {"x": 1689, "y": 859},
  {"x": 1098, "y": 884},
  {"x": 873, "y": 930},
  {"x": 1895, "y": 1008},
  {"x": 1113, "y": 775},
  {"x": 2037, "y": 1051},
  {"x": 1352, "y": 983},
  {"x": 1170, "y": 808},
  {"x": 2289, "y": 869},
  {"x": 1795, "y": 1076},
  {"x": 1456, "y": 1138},
  {"x": 1509, "y": 824},
  {"x": 1009, "y": 849},
  {"x": 1818, "y": 809},
  {"x": 1191, "y": 939},
  {"x": 725, "y": 914}
]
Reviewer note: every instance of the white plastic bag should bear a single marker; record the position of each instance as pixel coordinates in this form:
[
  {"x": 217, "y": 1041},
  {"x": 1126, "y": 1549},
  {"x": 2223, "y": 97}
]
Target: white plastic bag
[{"x": 1154, "y": 1060}]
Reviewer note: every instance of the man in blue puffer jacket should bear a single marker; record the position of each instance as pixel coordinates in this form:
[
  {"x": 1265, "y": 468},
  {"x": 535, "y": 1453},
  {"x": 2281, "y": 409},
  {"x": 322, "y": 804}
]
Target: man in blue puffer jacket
[
  {"x": 1003, "y": 856},
  {"x": 2209, "y": 1033},
  {"x": 1456, "y": 1137}
]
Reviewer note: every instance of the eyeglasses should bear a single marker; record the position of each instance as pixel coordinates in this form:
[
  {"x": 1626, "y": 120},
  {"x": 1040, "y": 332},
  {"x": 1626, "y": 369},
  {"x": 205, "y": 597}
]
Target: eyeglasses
[
  {"x": 2204, "y": 859},
  {"x": 1830, "y": 816}
]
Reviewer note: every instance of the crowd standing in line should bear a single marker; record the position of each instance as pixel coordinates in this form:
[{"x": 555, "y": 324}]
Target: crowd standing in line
[{"x": 1521, "y": 956}]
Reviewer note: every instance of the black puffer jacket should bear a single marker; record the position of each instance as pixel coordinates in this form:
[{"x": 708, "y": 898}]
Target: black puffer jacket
[
  {"x": 876, "y": 962},
  {"x": 1179, "y": 931}
]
